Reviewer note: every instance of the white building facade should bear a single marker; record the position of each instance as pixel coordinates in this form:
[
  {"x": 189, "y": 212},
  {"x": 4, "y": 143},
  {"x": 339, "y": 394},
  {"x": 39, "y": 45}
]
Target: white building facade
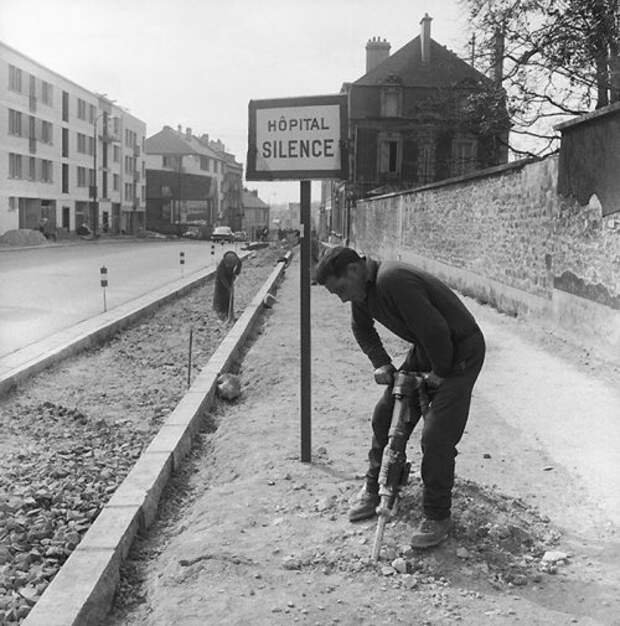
[{"x": 68, "y": 156}]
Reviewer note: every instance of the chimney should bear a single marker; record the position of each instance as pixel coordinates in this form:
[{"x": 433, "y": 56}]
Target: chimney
[
  {"x": 425, "y": 38},
  {"x": 377, "y": 51},
  {"x": 205, "y": 138},
  {"x": 179, "y": 129},
  {"x": 188, "y": 132}
]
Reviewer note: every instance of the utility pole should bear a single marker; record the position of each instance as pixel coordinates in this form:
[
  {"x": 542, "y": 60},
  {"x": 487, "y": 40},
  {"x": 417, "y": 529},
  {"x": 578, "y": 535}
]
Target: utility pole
[{"x": 472, "y": 44}]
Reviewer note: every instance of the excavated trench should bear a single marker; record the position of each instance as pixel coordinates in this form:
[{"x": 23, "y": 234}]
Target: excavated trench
[{"x": 72, "y": 433}]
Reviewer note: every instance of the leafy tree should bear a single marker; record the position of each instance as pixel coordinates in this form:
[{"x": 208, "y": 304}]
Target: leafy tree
[{"x": 553, "y": 58}]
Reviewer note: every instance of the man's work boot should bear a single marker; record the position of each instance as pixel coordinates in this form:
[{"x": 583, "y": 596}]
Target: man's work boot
[
  {"x": 364, "y": 505},
  {"x": 431, "y": 533}
]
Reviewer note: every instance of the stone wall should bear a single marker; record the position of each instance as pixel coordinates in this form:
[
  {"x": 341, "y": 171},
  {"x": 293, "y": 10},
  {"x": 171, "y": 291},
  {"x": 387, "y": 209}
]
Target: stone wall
[{"x": 506, "y": 237}]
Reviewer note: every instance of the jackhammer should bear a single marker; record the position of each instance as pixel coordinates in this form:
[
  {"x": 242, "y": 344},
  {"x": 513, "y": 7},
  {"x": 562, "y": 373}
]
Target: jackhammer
[{"x": 394, "y": 471}]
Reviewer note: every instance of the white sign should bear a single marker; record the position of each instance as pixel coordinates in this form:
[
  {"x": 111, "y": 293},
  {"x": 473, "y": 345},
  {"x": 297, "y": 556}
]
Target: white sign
[{"x": 296, "y": 138}]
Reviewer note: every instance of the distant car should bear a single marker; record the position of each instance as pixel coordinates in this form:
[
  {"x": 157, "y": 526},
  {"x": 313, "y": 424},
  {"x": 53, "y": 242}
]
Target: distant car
[
  {"x": 240, "y": 235},
  {"x": 192, "y": 232},
  {"x": 222, "y": 233}
]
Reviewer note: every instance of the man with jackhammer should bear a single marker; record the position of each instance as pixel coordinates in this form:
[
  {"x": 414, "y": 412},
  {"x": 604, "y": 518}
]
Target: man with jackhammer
[{"x": 447, "y": 345}]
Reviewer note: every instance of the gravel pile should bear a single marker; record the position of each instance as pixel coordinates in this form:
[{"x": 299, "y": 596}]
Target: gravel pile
[
  {"x": 22, "y": 237},
  {"x": 72, "y": 434}
]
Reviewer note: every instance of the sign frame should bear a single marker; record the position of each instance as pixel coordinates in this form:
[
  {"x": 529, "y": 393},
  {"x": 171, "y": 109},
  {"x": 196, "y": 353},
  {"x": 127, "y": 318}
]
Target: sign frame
[{"x": 307, "y": 174}]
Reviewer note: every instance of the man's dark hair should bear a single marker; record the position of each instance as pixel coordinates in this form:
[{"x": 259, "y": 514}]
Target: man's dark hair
[{"x": 335, "y": 262}]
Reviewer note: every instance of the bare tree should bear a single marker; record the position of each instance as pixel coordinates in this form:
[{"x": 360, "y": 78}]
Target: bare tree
[{"x": 559, "y": 58}]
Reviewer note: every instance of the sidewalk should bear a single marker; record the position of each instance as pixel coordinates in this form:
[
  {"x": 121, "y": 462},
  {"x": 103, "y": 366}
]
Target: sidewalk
[{"x": 263, "y": 539}]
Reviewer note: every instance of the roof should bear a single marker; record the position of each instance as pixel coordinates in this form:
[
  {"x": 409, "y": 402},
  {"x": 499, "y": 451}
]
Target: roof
[
  {"x": 444, "y": 68},
  {"x": 250, "y": 201},
  {"x": 168, "y": 141}
]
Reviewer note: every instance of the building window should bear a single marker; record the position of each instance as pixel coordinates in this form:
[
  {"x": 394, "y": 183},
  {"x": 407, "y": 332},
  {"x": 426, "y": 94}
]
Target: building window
[
  {"x": 46, "y": 132},
  {"x": 65, "y": 142},
  {"x": 129, "y": 167},
  {"x": 130, "y": 138},
  {"x": 390, "y": 155},
  {"x": 81, "y": 143},
  {"x": 91, "y": 113},
  {"x": 47, "y": 171},
  {"x": 81, "y": 177},
  {"x": 425, "y": 171},
  {"x": 15, "y": 165},
  {"x": 65, "y": 106},
  {"x": 391, "y": 99},
  {"x": 15, "y": 123},
  {"x": 204, "y": 163},
  {"x": 91, "y": 177},
  {"x": 116, "y": 121},
  {"x": 116, "y": 182},
  {"x": 81, "y": 109},
  {"x": 169, "y": 161},
  {"x": 65, "y": 178},
  {"x": 116, "y": 154},
  {"x": 91, "y": 145},
  {"x": 47, "y": 93},
  {"x": 464, "y": 158},
  {"x": 15, "y": 79}
]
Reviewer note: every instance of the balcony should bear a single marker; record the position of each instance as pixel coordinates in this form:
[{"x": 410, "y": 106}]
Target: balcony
[{"x": 109, "y": 136}]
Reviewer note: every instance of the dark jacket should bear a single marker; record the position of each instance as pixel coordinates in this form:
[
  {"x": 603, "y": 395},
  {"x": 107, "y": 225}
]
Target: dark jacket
[{"x": 418, "y": 308}]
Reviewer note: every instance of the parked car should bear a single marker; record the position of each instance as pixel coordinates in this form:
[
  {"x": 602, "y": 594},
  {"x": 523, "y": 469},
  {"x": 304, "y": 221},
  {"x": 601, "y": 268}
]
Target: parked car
[
  {"x": 196, "y": 230},
  {"x": 240, "y": 235},
  {"x": 222, "y": 233},
  {"x": 192, "y": 232}
]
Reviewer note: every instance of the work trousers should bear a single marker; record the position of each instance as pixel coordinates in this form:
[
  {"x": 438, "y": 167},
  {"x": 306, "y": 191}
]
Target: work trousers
[{"x": 444, "y": 423}]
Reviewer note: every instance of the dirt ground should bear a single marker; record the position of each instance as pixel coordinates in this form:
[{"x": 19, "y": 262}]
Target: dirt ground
[
  {"x": 71, "y": 434},
  {"x": 248, "y": 534}
]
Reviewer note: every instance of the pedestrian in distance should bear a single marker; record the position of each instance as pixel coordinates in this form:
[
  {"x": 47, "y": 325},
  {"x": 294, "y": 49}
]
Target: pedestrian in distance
[
  {"x": 447, "y": 345},
  {"x": 223, "y": 293}
]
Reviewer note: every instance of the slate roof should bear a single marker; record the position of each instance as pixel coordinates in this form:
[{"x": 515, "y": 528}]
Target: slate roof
[
  {"x": 250, "y": 201},
  {"x": 168, "y": 141},
  {"x": 445, "y": 68}
]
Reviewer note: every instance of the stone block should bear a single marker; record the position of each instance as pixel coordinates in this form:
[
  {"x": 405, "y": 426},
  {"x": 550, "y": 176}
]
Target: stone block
[
  {"x": 81, "y": 592},
  {"x": 114, "y": 529}
]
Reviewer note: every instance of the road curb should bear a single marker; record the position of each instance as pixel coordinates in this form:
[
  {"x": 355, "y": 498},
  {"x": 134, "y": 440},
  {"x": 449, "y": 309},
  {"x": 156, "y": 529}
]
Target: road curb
[
  {"x": 24, "y": 363},
  {"x": 82, "y": 591}
]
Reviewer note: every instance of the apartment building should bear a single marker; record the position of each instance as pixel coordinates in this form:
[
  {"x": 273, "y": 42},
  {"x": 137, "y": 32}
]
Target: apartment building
[
  {"x": 67, "y": 155},
  {"x": 191, "y": 179}
]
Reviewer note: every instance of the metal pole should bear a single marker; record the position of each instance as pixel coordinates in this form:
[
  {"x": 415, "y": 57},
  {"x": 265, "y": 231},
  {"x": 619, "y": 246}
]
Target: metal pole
[
  {"x": 189, "y": 358},
  {"x": 306, "y": 417},
  {"x": 94, "y": 214}
]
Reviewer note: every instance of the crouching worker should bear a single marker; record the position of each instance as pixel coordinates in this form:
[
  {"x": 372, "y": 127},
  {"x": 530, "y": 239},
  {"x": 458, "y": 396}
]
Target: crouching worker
[
  {"x": 446, "y": 343},
  {"x": 224, "y": 292}
]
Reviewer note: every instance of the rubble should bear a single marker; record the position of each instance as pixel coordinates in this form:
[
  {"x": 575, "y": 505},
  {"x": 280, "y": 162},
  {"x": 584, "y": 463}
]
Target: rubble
[{"x": 71, "y": 434}]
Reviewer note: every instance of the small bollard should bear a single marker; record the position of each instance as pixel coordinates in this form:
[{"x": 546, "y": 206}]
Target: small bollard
[
  {"x": 103, "y": 271},
  {"x": 182, "y": 261}
]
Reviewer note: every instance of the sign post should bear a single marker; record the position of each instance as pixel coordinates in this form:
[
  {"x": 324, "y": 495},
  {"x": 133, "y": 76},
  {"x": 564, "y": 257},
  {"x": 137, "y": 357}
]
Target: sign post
[
  {"x": 103, "y": 271},
  {"x": 299, "y": 139}
]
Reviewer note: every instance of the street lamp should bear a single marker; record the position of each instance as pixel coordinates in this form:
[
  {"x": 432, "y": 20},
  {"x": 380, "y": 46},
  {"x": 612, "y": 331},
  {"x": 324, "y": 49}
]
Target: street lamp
[{"x": 93, "y": 188}]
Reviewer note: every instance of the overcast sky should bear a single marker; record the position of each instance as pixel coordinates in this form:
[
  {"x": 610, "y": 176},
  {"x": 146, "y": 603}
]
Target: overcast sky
[{"x": 198, "y": 62}]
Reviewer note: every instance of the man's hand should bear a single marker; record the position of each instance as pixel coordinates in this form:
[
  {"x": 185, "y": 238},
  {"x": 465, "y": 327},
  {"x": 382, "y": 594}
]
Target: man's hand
[
  {"x": 384, "y": 375},
  {"x": 432, "y": 380}
]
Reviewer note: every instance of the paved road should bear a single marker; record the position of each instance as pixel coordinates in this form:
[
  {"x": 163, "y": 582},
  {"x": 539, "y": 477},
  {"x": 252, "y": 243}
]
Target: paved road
[{"x": 44, "y": 290}]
